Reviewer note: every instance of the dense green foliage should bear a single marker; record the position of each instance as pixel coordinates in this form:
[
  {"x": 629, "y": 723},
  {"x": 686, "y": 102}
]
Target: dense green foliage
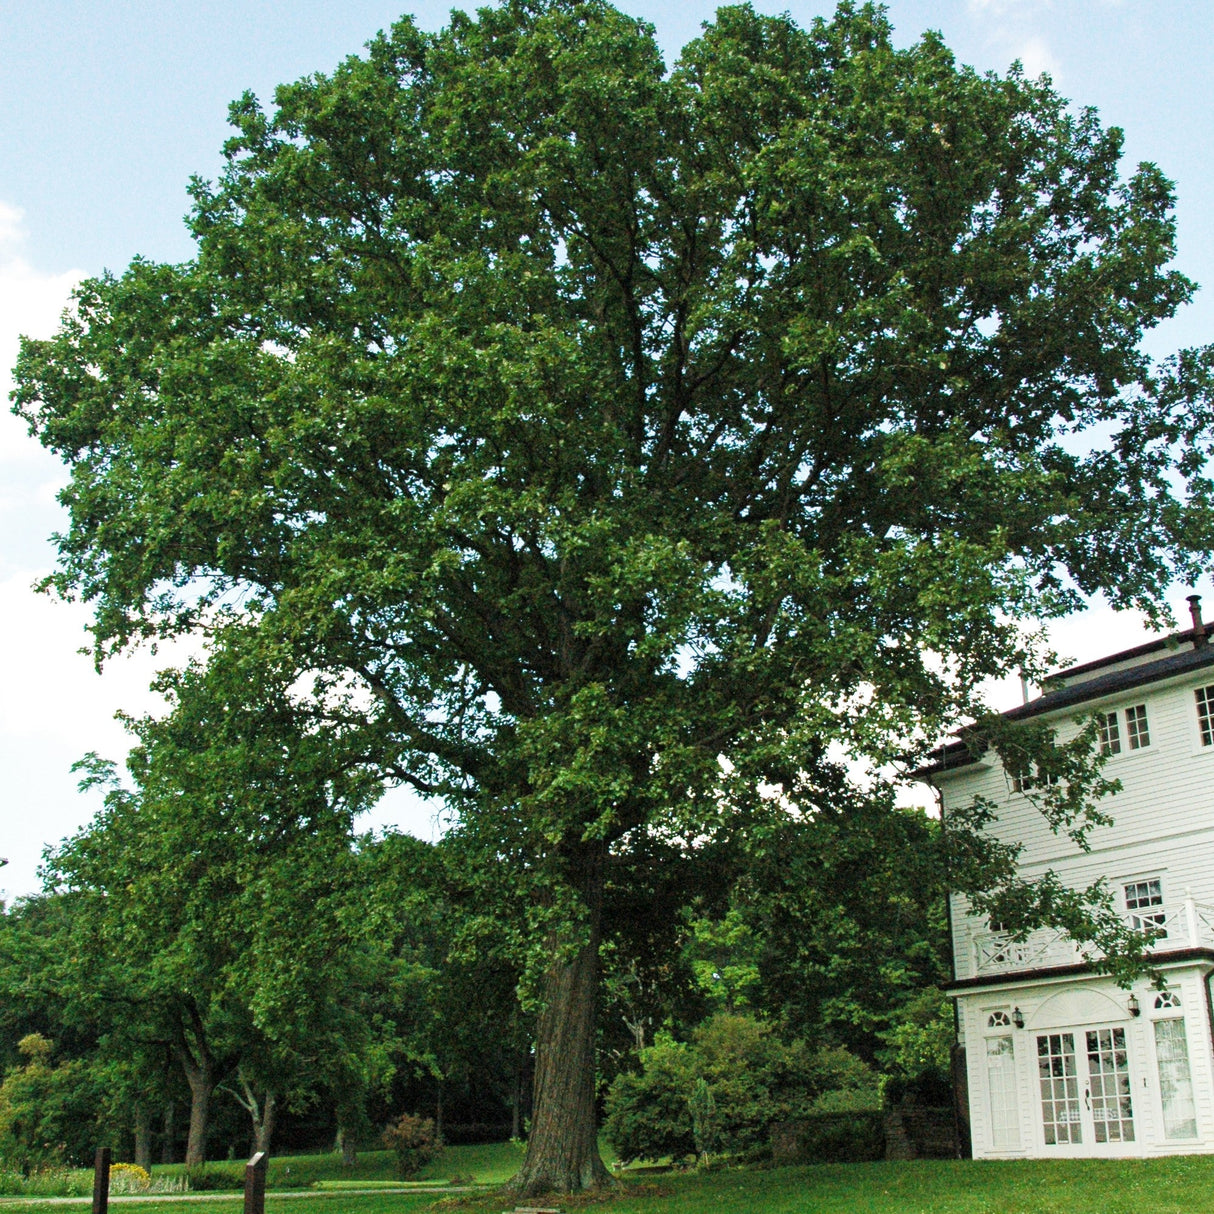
[
  {"x": 611, "y": 451},
  {"x": 720, "y": 1092},
  {"x": 48, "y": 1108}
]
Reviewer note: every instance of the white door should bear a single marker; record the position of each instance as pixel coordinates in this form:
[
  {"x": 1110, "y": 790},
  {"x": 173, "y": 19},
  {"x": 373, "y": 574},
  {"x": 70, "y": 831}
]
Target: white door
[
  {"x": 1001, "y": 1090},
  {"x": 1085, "y": 1088}
]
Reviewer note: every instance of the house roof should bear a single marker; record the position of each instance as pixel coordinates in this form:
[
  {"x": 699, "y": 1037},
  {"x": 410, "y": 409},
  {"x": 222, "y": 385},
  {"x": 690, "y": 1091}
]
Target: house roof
[
  {"x": 1197, "y": 656},
  {"x": 1171, "y": 642}
]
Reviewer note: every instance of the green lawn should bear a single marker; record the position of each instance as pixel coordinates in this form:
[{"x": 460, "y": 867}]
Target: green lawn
[
  {"x": 494, "y": 1164},
  {"x": 312, "y": 1203},
  {"x": 1161, "y": 1186}
]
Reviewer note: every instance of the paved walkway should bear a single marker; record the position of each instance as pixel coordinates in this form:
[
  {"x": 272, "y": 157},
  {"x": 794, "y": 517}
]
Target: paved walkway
[{"x": 234, "y": 1195}]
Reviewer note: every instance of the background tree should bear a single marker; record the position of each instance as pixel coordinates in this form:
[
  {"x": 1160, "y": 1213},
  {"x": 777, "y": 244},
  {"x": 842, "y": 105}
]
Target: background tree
[
  {"x": 568, "y": 426},
  {"x": 215, "y": 895},
  {"x": 846, "y": 915}
]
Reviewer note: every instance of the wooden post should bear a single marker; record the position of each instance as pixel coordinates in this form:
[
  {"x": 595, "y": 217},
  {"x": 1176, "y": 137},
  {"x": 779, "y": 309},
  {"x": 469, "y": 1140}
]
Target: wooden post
[
  {"x": 255, "y": 1184},
  {"x": 101, "y": 1181}
]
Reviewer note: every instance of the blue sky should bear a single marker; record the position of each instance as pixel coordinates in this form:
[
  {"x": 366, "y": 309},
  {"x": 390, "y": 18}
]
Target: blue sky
[{"x": 107, "y": 108}]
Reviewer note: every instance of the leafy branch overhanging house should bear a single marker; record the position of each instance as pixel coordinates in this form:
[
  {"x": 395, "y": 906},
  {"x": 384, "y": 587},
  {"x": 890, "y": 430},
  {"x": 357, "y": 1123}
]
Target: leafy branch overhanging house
[{"x": 1059, "y": 1059}]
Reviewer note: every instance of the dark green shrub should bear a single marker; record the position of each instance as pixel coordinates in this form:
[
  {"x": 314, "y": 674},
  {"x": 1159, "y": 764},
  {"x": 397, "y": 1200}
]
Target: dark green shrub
[
  {"x": 752, "y": 1077},
  {"x": 216, "y": 1179},
  {"x": 855, "y": 1136},
  {"x": 415, "y": 1141}
]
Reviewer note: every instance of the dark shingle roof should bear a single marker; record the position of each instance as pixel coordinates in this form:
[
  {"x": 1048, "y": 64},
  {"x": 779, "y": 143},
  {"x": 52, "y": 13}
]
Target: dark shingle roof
[{"x": 955, "y": 755}]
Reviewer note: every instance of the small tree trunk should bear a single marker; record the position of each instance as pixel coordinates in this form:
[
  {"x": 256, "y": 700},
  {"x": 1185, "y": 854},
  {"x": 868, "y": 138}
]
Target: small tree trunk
[
  {"x": 261, "y": 1113},
  {"x": 348, "y": 1143},
  {"x": 516, "y": 1102},
  {"x": 194, "y": 1056},
  {"x": 263, "y": 1127},
  {"x": 200, "y": 1077},
  {"x": 168, "y": 1132},
  {"x": 562, "y": 1148},
  {"x": 143, "y": 1136},
  {"x": 351, "y": 1118}
]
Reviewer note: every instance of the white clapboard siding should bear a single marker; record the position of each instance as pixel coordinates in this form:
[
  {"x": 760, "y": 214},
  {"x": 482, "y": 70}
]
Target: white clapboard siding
[
  {"x": 1163, "y": 817},
  {"x": 1162, "y": 828},
  {"x": 1140, "y": 1038}
]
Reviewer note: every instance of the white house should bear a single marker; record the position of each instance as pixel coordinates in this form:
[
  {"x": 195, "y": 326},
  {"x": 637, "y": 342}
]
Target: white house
[{"x": 1059, "y": 1060}]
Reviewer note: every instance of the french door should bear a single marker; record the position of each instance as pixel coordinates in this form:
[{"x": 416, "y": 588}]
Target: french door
[{"x": 1084, "y": 1078}]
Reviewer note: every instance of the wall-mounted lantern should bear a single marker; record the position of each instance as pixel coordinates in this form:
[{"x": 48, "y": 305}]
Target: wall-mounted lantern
[
  {"x": 1017, "y": 1017},
  {"x": 1133, "y": 1006}
]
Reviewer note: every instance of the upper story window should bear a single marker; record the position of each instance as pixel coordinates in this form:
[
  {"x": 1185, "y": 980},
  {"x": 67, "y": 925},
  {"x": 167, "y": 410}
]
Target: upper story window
[
  {"x": 1038, "y": 779},
  {"x": 998, "y": 1020},
  {"x": 1165, "y": 1000},
  {"x": 1205, "y": 714},
  {"x": 1144, "y": 903},
  {"x": 1136, "y": 731},
  {"x": 1108, "y": 733}
]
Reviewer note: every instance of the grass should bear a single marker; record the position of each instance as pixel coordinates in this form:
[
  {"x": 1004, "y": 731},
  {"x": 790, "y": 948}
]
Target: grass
[
  {"x": 1175, "y": 1185},
  {"x": 492, "y": 1163},
  {"x": 319, "y": 1203}
]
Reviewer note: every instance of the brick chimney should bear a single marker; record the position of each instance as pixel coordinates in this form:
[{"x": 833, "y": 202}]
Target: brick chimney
[{"x": 1199, "y": 629}]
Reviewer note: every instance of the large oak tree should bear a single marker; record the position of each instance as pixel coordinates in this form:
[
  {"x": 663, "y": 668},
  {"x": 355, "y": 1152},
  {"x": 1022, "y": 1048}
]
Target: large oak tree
[{"x": 572, "y": 424}]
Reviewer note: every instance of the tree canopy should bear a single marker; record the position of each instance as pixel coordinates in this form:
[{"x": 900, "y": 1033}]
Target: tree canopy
[{"x": 593, "y": 444}]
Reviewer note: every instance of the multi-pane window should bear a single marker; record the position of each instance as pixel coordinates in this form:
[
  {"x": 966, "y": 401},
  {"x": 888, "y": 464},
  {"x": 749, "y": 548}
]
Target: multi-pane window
[
  {"x": 1039, "y": 779},
  {"x": 1175, "y": 1080},
  {"x": 1108, "y": 733},
  {"x": 1108, "y": 1090},
  {"x": 1058, "y": 1076},
  {"x": 1144, "y": 903},
  {"x": 1001, "y": 1088},
  {"x": 1136, "y": 731},
  {"x": 1205, "y": 714}
]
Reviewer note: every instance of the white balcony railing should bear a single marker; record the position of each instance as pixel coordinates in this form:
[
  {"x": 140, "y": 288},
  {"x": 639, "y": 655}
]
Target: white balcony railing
[{"x": 1189, "y": 925}]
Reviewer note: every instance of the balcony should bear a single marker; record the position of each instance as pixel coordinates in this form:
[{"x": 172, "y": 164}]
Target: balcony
[{"x": 1188, "y": 925}]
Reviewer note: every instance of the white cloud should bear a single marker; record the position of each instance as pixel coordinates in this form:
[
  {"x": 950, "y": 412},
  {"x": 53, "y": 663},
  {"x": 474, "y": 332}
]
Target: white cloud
[
  {"x": 52, "y": 690},
  {"x": 1037, "y": 58},
  {"x": 1014, "y": 29},
  {"x": 31, "y": 303}
]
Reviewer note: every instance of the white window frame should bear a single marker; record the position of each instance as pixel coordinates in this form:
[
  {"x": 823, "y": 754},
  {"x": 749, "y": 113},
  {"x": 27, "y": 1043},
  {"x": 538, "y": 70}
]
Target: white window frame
[
  {"x": 1108, "y": 733},
  {"x": 1200, "y": 735},
  {"x": 1116, "y": 735},
  {"x": 1131, "y": 735},
  {"x": 1148, "y": 914},
  {"x": 1175, "y": 1015}
]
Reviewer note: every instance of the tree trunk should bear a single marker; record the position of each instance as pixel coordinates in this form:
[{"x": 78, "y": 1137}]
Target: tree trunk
[
  {"x": 262, "y": 1113},
  {"x": 562, "y": 1148},
  {"x": 143, "y": 1137},
  {"x": 516, "y": 1103},
  {"x": 196, "y": 1060},
  {"x": 202, "y": 1083},
  {"x": 351, "y": 1116},
  {"x": 347, "y": 1143},
  {"x": 264, "y": 1126},
  {"x": 168, "y": 1132}
]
